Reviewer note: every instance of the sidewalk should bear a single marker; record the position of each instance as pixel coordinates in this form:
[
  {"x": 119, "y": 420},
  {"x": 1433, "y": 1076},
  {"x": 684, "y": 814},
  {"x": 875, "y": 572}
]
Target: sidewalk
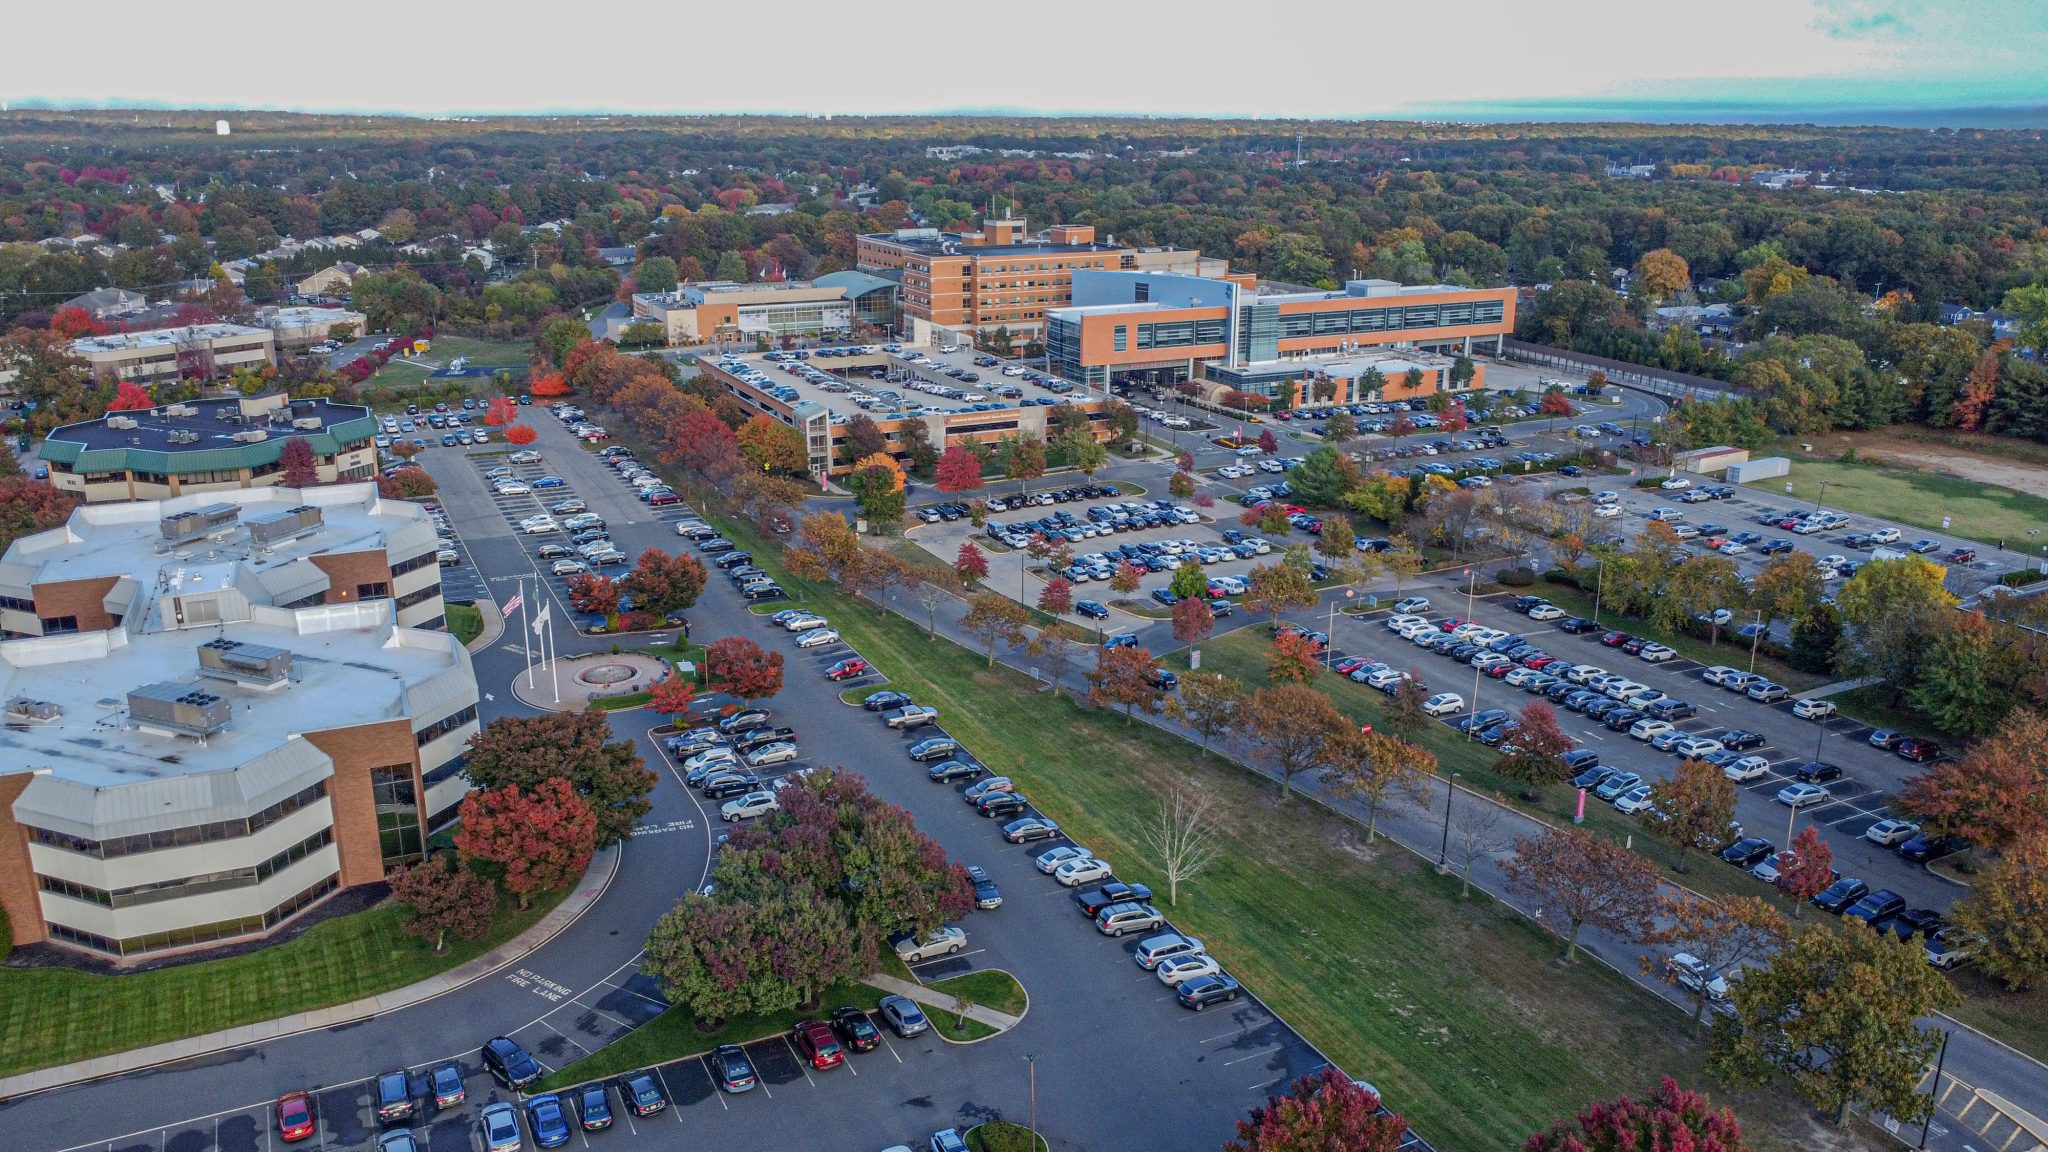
[
  {"x": 1837, "y": 688},
  {"x": 586, "y": 893},
  {"x": 1000, "y": 1021}
]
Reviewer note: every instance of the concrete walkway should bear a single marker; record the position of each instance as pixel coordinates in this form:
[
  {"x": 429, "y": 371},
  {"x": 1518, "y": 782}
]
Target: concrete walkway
[
  {"x": 1837, "y": 688},
  {"x": 494, "y": 626},
  {"x": 1000, "y": 1021},
  {"x": 603, "y": 867}
]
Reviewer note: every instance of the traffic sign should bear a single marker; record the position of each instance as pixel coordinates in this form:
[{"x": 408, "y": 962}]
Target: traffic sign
[
  {"x": 1788, "y": 487},
  {"x": 1944, "y": 523}
]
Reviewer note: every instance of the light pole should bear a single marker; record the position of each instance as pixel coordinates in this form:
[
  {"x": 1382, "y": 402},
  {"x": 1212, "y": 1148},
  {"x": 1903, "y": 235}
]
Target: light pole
[
  {"x": 1934, "y": 1092},
  {"x": 1443, "y": 851},
  {"x": 1031, "y": 1065},
  {"x": 1823, "y": 496},
  {"x": 1472, "y": 730},
  {"x": 1599, "y": 586},
  {"x": 1755, "y": 635}
]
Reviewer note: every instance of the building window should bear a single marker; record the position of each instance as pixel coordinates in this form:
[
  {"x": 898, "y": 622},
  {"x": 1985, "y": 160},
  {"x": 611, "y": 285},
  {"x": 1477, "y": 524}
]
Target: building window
[
  {"x": 196, "y": 934},
  {"x": 420, "y": 597},
  {"x": 398, "y": 813},
  {"x": 57, "y": 625},
  {"x": 17, "y": 604},
  {"x": 413, "y": 565},
  {"x": 376, "y": 591},
  {"x": 1120, "y": 338},
  {"x": 179, "y": 837},
  {"x": 445, "y": 725}
]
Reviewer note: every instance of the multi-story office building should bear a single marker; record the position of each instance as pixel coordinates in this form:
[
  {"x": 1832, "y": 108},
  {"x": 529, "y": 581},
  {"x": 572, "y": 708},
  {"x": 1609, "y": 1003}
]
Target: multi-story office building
[
  {"x": 1000, "y": 278},
  {"x": 197, "y": 351},
  {"x": 207, "y": 446},
  {"x": 218, "y": 715},
  {"x": 1131, "y": 327},
  {"x": 294, "y": 329},
  {"x": 722, "y": 310}
]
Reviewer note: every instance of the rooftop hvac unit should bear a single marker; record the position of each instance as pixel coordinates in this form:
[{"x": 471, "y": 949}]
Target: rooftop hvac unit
[
  {"x": 180, "y": 410},
  {"x": 182, "y": 526},
  {"x": 273, "y": 527},
  {"x": 252, "y": 436},
  {"x": 21, "y": 709},
  {"x": 248, "y": 663},
  {"x": 124, "y": 423},
  {"x": 187, "y": 708},
  {"x": 184, "y": 437},
  {"x": 308, "y": 423}
]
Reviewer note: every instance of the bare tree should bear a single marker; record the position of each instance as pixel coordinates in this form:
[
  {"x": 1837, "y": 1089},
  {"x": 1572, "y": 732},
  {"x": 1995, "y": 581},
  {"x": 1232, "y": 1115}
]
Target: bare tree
[
  {"x": 1184, "y": 837},
  {"x": 1480, "y": 826},
  {"x": 1056, "y": 651},
  {"x": 932, "y": 597}
]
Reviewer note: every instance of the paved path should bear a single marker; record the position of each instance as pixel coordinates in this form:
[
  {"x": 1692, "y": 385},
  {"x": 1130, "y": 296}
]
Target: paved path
[
  {"x": 939, "y": 1000},
  {"x": 602, "y": 868},
  {"x": 1837, "y": 688}
]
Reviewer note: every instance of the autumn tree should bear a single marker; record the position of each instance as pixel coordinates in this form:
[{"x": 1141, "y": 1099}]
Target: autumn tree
[
  {"x": 959, "y": 470},
  {"x": 594, "y": 594},
  {"x": 1193, "y": 620},
  {"x": 130, "y": 397},
  {"x": 737, "y": 666},
  {"x": 878, "y": 491},
  {"x": 1327, "y": 1112},
  {"x": 1124, "y": 580},
  {"x": 1085, "y": 452},
  {"x": 520, "y": 435},
  {"x": 299, "y": 464},
  {"x": 1539, "y": 747},
  {"x": 1293, "y": 658},
  {"x": 1555, "y": 403},
  {"x": 1369, "y": 766},
  {"x": 1672, "y": 1119},
  {"x": 404, "y": 484},
  {"x": 527, "y": 751},
  {"x": 1582, "y": 879},
  {"x": 1057, "y": 597},
  {"x": 502, "y": 412},
  {"x": 661, "y": 583},
  {"x": 1785, "y": 587},
  {"x": 1723, "y": 934},
  {"x": 1694, "y": 810},
  {"x": 993, "y": 617},
  {"x": 1268, "y": 443},
  {"x": 862, "y": 438},
  {"x": 672, "y": 695},
  {"x": 2007, "y": 910},
  {"x": 540, "y": 839},
  {"x": 1290, "y": 728},
  {"x": 1026, "y": 461},
  {"x": 1275, "y": 589},
  {"x": 1837, "y": 1012},
  {"x": 970, "y": 563},
  {"x": 443, "y": 896},
  {"x": 1661, "y": 274},
  {"x": 1996, "y": 794},
  {"x": 1180, "y": 485},
  {"x": 772, "y": 446},
  {"x": 1892, "y": 604},
  {"x": 1806, "y": 868},
  {"x": 1125, "y": 677},
  {"x": 1208, "y": 702},
  {"x": 1405, "y": 716}
]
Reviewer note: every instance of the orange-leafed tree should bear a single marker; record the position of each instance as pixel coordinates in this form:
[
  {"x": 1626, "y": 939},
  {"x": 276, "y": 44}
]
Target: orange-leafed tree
[
  {"x": 1996, "y": 794},
  {"x": 1292, "y": 659},
  {"x": 1124, "y": 678},
  {"x": 539, "y": 839},
  {"x": 594, "y": 594},
  {"x": 550, "y": 385},
  {"x": 1806, "y": 868},
  {"x": 672, "y": 696},
  {"x": 503, "y": 411},
  {"x": 1193, "y": 620},
  {"x": 1581, "y": 878},
  {"x": 739, "y": 667},
  {"x": 407, "y": 484},
  {"x": 521, "y": 435}
]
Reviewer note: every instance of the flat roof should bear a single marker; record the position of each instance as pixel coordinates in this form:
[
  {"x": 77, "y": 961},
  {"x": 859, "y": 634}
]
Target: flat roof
[
  {"x": 950, "y": 244},
  {"x": 350, "y": 666},
  {"x": 1112, "y": 309},
  {"x": 851, "y": 381},
  {"x": 303, "y": 316},
  {"x": 125, "y": 539},
  {"x": 1348, "y": 364},
  {"x": 162, "y": 337},
  {"x": 210, "y": 428}
]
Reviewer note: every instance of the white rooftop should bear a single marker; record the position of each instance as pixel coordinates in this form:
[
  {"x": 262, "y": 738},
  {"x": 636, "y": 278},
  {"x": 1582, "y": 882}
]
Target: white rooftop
[{"x": 163, "y": 337}]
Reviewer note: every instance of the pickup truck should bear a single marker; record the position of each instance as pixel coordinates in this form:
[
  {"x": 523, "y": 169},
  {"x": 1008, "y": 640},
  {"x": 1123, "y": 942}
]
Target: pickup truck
[
  {"x": 761, "y": 738},
  {"x": 911, "y": 716},
  {"x": 1114, "y": 892}
]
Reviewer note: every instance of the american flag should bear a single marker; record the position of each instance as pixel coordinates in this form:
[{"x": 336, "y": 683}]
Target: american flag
[{"x": 511, "y": 606}]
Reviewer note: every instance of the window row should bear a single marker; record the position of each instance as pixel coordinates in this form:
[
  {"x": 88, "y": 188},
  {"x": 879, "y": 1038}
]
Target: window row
[
  {"x": 198, "y": 933},
  {"x": 180, "y": 837},
  {"x": 161, "y": 890}
]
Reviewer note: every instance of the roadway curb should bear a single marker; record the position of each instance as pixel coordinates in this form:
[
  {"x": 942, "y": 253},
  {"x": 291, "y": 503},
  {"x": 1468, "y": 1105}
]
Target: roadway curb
[
  {"x": 494, "y": 626},
  {"x": 170, "y": 1052}
]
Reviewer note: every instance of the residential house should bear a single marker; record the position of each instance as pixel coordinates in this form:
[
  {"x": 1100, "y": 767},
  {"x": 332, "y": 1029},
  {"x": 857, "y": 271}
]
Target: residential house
[
  {"x": 332, "y": 280},
  {"x": 107, "y": 303}
]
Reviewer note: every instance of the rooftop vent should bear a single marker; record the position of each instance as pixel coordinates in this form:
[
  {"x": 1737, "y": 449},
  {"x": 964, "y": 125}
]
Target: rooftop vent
[
  {"x": 21, "y": 709},
  {"x": 252, "y": 436},
  {"x": 179, "y": 527},
  {"x": 275, "y": 527},
  {"x": 184, "y": 437},
  {"x": 186, "y": 708},
  {"x": 257, "y": 664}
]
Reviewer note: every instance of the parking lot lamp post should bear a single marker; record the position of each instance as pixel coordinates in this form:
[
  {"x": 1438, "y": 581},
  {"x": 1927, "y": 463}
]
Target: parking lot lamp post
[
  {"x": 1031, "y": 1066},
  {"x": 1443, "y": 850},
  {"x": 1790, "y": 820},
  {"x": 1756, "y": 634},
  {"x": 1823, "y": 496},
  {"x": 1599, "y": 586}
]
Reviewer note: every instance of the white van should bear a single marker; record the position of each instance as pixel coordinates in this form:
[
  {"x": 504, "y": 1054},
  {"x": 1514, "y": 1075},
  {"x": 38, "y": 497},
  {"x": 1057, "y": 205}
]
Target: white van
[{"x": 1888, "y": 554}]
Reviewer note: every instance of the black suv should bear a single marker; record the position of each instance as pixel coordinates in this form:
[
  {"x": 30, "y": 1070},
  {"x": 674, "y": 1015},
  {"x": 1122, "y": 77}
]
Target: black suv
[
  {"x": 509, "y": 1063},
  {"x": 394, "y": 1098}
]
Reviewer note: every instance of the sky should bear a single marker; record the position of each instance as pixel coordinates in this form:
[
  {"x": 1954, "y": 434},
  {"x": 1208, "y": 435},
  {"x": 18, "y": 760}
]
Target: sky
[{"x": 1885, "y": 60}]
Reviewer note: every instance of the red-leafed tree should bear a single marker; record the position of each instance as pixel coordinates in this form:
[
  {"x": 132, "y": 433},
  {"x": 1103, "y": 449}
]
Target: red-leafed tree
[
  {"x": 550, "y": 385},
  {"x": 1058, "y": 597},
  {"x": 406, "y": 449},
  {"x": 1996, "y": 794},
  {"x": 737, "y": 666},
  {"x": 971, "y": 563},
  {"x": 1322, "y": 1113},
  {"x": 1193, "y": 620},
  {"x": 672, "y": 696},
  {"x": 407, "y": 484},
  {"x": 1554, "y": 404},
  {"x": 1123, "y": 677},
  {"x": 539, "y": 839},
  {"x": 73, "y": 323},
  {"x": 1293, "y": 658},
  {"x": 502, "y": 412},
  {"x": 1806, "y": 868},
  {"x": 1268, "y": 443},
  {"x": 444, "y": 896},
  {"x": 959, "y": 470},
  {"x": 594, "y": 594},
  {"x": 1580, "y": 879},
  {"x": 129, "y": 397},
  {"x": 661, "y": 583},
  {"x": 1539, "y": 747},
  {"x": 1673, "y": 1118},
  {"x": 1454, "y": 419},
  {"x": 299, "y": 463},
  {"x": 521, "y": 435}
]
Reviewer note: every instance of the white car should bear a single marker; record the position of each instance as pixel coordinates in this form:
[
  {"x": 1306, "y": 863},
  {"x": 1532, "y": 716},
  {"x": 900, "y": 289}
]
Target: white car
[
  {"x": 1443, "y": 704},
  {"x": 1645, "y": 729},
  {"x": 1720, "y": 673},
  {"x": 1050, "y": 860},
  {"x": 1746, "y": 769},
  {"x": 818, "y": 636},
  {"x": 1695, "y": 746},
  {"x": 1814, "y": 709},
  {"x": 781, "y": 752},
  {"x": 804, "y": 622},
  {"x": 569, "y": 568},
  {"x": 1633, "y": 801},
  {"x": 1693, "y": 975},
  {"x": 528, "y": 456},
  {"x": 1834, "y": 560},
  {"x": 707, "y": 759},
  {"x": 1656, "y": 653},
  {"x": 541, "y": 524},
  {"x": 1891, "y": 832},
  {"x": 1800, "y": 795},
  {"x": 748, "y": 806},
  {"x": 1386, "y": 678},
  {"x": 1733, "y": 548},
  {"x": 513, "y": 488},
  {"x": 1885, "y": 535},
  {"x": 1675, "y": 483},
  {"x": 1084, "y": 870},
  {"x": 1546, "y": 612},
  {"x": 1174, "y": 972},
  {"x": 1402, "y": 620},
  {"x": 1605, "y": 511},
  {"x": 1418, "y": 628}
]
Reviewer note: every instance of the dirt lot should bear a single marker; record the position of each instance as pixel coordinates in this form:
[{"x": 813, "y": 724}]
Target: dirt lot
[{"x": 1951, "y": 456}]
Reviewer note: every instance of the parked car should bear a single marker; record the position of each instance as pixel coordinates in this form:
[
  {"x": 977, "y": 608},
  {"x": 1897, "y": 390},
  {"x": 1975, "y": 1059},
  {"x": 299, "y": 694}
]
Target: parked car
[
  {"x": 1203, "y": 991},
  {"x": 499, "y": 1125},
  {"x": 294, "y": 1113},
  {"x": 642, "y": 1093},
  {"x": 915, "y": 948},
  {"x": 1841, "y": 895},
  {"x": 510, "y": 1064},
  {"x": 817, "y": 1044},
  {"x": 903, "y": 1016},
  {"x": 735, "y": 1072},
  {"x": 855, "y": 1030},
  {"x": 1891, "y": 833}
]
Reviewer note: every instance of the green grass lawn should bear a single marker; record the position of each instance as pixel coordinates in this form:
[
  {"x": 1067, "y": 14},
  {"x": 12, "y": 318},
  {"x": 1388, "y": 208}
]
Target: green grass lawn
[
  {"x": 674, "y": 1034},
  {"x": 56, "y": 1016},
  {"x": 1978, "y": 511},
  {"x": 465, "y": 622},
  {"x": 1873, "y": 706},
  {"x": 988, "y": 988},
  {"x": 1732, "y": 650},
  {"x": 1003, "y": 1136}
]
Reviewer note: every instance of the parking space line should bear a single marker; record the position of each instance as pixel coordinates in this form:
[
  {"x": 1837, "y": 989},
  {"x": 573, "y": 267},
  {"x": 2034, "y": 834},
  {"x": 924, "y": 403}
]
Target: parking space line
[{"x": 798, "y": 1057}]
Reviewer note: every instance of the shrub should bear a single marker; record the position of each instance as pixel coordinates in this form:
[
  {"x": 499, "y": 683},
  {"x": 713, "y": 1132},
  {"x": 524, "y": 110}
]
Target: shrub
[
  {"x": 1004, "y": 1136},
  {"x": 6, "y": 935},
  {"x": 1515, "y": 577}
]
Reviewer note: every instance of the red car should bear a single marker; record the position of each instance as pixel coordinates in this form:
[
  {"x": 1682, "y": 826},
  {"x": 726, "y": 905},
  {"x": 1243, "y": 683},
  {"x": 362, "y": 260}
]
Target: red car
[
  {"x": 1919, "y": 751},
  {"x": 1499, "y": 671},
  {"x": 816, "y": 1040},
  {"x": 1452, "y": 623},
  {"x": 294, "y": 1116},
  {"x": 1348, "y": 665},
  {"x": 847, "y": 669},
  {"x": 1616, "y": 639},
  {"x": 1538, "y": 660}
]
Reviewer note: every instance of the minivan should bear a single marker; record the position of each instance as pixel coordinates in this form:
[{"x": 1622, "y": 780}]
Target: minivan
[{"x": 1156, "y": 949}]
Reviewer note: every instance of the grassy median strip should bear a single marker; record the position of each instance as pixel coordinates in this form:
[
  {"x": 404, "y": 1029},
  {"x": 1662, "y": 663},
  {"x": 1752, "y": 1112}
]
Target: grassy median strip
[
  {"x": 57, "y": 1015},
  {"x": 465, "y": 621},
  {"x": 1732, "y": 651},
  {"x": 990, "y": 989}
]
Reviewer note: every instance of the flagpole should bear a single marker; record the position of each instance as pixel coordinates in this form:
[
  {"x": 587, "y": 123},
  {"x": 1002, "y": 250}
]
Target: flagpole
[
  {"x": 525, "y": 641},
  {"x": 553, "y": 654}
]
